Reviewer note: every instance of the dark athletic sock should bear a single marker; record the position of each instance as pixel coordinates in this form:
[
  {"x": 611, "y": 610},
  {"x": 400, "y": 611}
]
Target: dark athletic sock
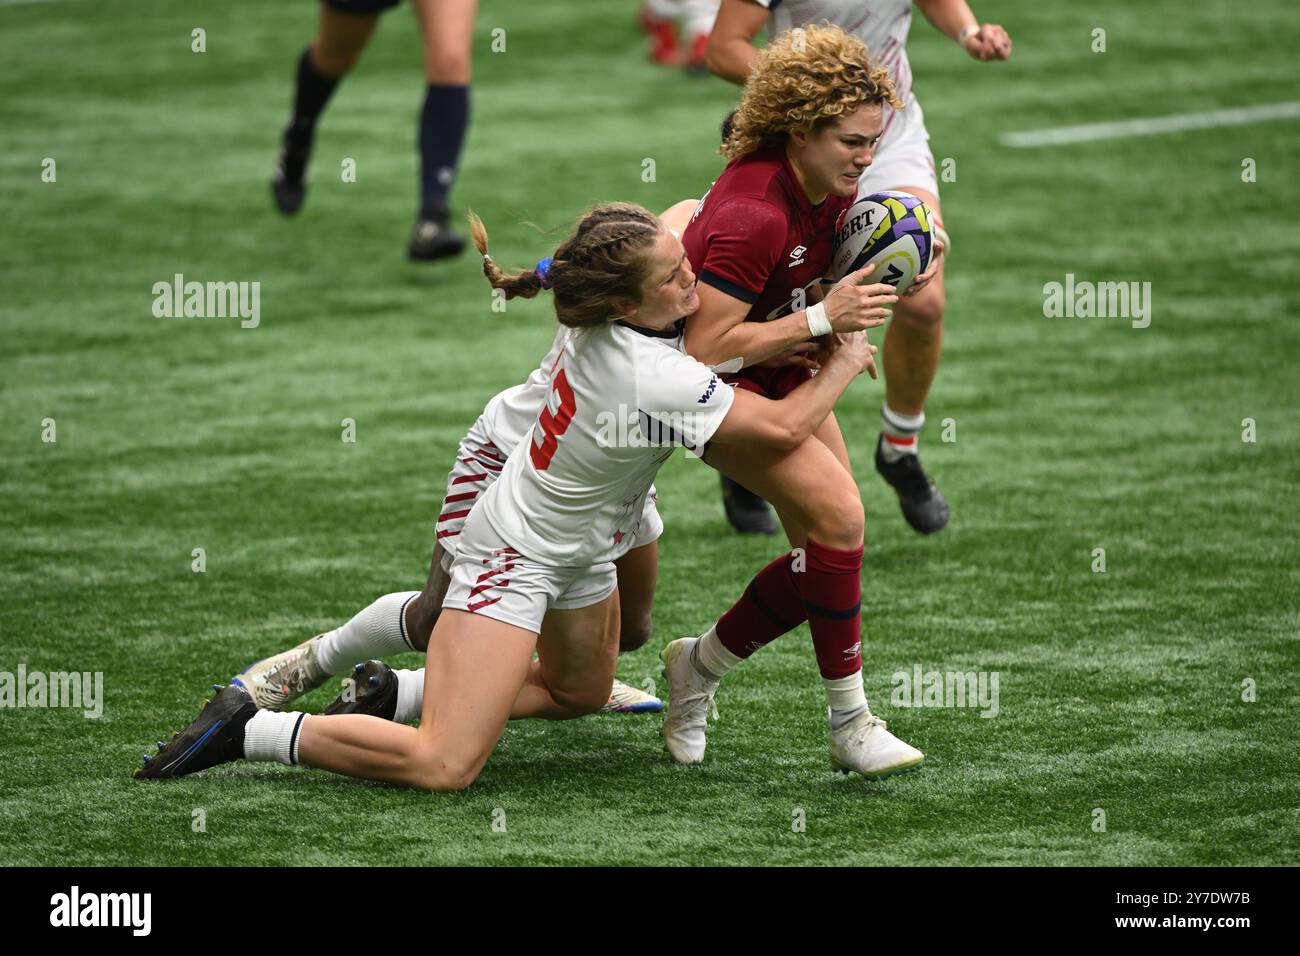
[
  {"x": 443, "y": 122},
  {"x": 312, "y": 92}
]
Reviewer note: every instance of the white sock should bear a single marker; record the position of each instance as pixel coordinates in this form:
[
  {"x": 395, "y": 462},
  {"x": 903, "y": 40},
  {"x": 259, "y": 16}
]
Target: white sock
[
  {"x": 711, "y": 658},
  {"x": 846, "y": 698},
  {"x": 410, "y": 696},
  {"x": 378, "y": 631},
  {"x": 699, "y": 16},
  {"x": 272, "y": 736},
  {"x": 664, "y": 9},
  {"x": 901, "y": 433}
]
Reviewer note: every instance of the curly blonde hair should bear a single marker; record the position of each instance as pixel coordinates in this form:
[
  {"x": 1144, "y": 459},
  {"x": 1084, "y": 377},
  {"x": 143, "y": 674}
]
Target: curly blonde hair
[{"x": 805, "y": 79}]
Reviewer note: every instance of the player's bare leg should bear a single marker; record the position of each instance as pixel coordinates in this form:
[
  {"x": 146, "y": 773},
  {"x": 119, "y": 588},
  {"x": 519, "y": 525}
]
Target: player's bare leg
[
  {"x": 576, "y": 655},
  {"x": 815, "y": 495},
  {"x": 638, "y": 574},
  {"x": 476, "y": 669},
  {"x": 478, "y": 676},
  {"x": 399, "y": 695},
  {"x": 334, "y": 50},
  {"x": 808, "y": 483},
  {"x": 562, "y": 680},
  {"x": 422, "y": 613},
  {"x": 913, "y": 343},
  {"x": 446, "y": 30}
]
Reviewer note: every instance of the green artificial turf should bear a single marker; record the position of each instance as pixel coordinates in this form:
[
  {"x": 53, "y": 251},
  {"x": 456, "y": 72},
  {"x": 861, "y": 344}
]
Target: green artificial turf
[{"x": 1120, "y": 691}]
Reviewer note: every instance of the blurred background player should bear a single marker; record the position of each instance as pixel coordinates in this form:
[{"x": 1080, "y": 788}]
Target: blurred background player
[
  {"x": 446, "y": 27},
  {"x": 660, "y": 20},
  {"x": 903, "y": 162}
]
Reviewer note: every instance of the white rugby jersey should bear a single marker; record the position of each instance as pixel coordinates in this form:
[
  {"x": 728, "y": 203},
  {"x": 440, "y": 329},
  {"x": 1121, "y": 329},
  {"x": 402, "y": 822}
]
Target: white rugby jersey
[
  {"x": 881, "y": 24},
  {"x": 621, "y": 398},
  {"x": 509, "y": 414}
]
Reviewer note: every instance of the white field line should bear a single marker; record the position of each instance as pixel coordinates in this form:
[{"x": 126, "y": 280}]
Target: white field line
[{"x": 1151, "y": 126}]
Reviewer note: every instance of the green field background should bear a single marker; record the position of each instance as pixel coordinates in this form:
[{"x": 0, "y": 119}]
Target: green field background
[{"x": 1119, "y": 691}]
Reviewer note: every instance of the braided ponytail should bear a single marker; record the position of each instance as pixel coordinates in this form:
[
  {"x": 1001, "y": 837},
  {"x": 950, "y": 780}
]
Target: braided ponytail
[
  {"x": 595, "y": 273},
  {"x": 522, "y": 285}
]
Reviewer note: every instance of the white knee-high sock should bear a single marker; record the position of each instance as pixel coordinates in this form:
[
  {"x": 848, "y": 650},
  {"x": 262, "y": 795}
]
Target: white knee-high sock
[
  {"x": 410, "y": 696},
  {"x": 378, "y": 631}
]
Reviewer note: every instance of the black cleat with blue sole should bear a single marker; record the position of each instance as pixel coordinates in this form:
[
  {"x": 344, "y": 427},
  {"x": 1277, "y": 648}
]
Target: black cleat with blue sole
[
  {"x": 215, "y": 737},
  {"x": 372, "y": 690}
]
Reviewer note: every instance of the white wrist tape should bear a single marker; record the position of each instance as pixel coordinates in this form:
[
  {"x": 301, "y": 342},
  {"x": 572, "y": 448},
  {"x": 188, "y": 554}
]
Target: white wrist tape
[
  {"x": 967, "y": 32},
  {"x": 818, "y": 324}
]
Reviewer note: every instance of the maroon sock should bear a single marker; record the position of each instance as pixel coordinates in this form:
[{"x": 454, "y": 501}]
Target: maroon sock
[
  {"x": 831, "y": 589},
  {"x": 769, "y": 607}
]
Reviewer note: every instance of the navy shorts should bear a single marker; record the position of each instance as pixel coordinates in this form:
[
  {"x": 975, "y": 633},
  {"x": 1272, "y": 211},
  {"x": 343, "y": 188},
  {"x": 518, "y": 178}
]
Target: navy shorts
[{"x": 361, "y": 6}]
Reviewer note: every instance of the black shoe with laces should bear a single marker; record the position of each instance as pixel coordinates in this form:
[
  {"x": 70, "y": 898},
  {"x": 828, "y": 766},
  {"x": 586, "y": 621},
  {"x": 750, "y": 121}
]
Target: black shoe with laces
[
  {"x": 373, "y": 691},
  {"x": 433, "y": 238},
  {"x": 747, "y": 512},
  {"x": 924, "y": 506},
  {"x": 216, "y": 736}
]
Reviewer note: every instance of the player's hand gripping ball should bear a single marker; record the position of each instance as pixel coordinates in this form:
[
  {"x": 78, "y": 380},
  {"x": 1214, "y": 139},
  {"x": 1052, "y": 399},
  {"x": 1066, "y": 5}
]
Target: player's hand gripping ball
[{"x": 890, "y": 229}]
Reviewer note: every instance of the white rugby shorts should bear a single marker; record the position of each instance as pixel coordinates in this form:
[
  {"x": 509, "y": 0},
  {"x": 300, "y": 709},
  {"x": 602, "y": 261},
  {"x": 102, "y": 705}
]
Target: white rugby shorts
[
  {"x": 490, "y": 578},
  {"x": 906, "y": 159}
]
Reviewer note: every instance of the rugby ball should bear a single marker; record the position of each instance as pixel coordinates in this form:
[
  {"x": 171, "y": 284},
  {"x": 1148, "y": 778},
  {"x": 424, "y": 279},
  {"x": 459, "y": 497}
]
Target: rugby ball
[{"x": 891, "y": 229}]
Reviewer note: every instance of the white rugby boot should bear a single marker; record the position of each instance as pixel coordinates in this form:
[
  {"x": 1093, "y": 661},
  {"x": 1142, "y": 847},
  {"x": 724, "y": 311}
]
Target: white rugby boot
[
  {"x": 276, "y": 682},
  {"x": 865, "y": 746},
  {"x": 690, "y": 696}
]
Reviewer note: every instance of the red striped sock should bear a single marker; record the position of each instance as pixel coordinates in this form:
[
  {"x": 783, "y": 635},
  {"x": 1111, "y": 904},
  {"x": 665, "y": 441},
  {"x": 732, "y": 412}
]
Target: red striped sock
[
  {"x": 905, "y": 445},
  {"x": 831, "y": 589},
  {"x": 769, "y": 608}
]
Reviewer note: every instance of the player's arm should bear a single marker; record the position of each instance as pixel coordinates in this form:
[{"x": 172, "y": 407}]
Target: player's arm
[
  {"x": 744, "y": 246},
  {"x": 731, "y": 49},
  {"x": 787, "y": 423},
  {"x": 718, "y": 332},
  {"x": 955, "y": 20}
]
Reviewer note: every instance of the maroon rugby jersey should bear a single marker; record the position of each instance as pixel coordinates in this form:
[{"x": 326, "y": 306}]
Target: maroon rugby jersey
[{"x": 756, "y": 237}]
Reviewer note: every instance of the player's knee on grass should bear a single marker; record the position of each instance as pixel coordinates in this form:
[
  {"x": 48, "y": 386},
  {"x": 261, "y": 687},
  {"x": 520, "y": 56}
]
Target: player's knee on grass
[
  {"x": 435, "y": 771},
  {"x": 634, "y": 631}
]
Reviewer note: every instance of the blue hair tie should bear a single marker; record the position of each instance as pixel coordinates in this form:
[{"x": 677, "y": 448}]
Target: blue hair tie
[{"x": 543, "y": 271}]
